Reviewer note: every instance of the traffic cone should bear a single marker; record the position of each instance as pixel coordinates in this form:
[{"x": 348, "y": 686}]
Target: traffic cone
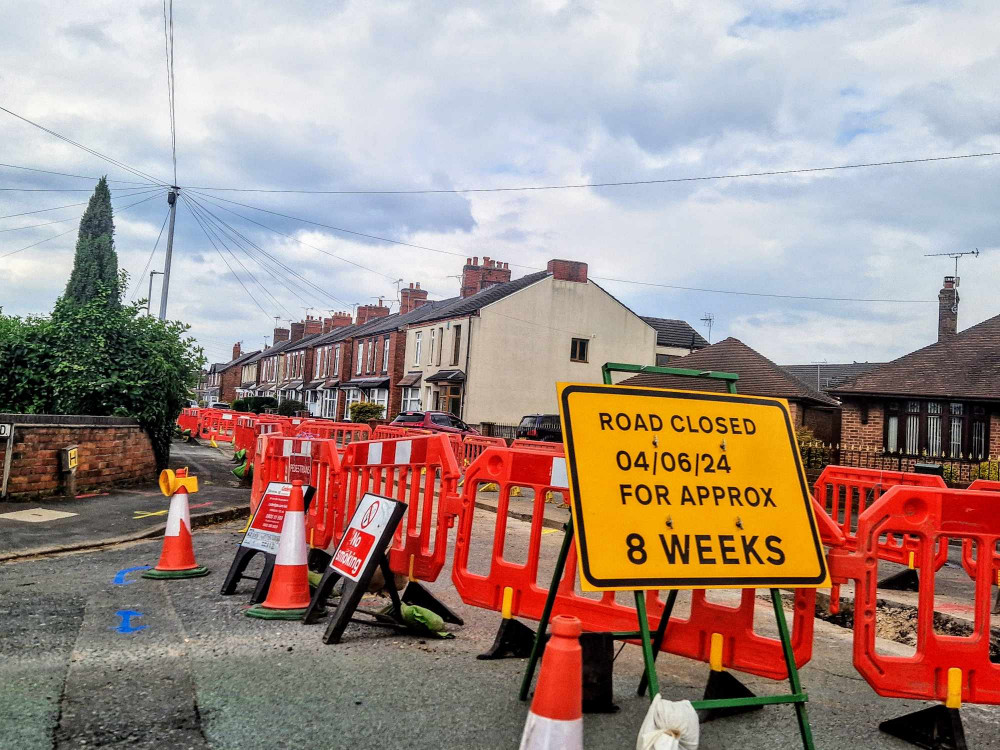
[
  {"x": 177, "y": 557},
  {"x": 556, "y": 716},
  {"x": 288, "y": 595}
]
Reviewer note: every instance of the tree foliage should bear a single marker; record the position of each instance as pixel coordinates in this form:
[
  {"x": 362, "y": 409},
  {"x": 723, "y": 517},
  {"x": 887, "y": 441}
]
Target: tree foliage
[
  {"x": 257, "y": 404},
  {"x": 364, "y": 411},
  {"x": 290, "y": 407},
  {"x": 95, "y": 264},
  {"x": 100, "y": 358}
]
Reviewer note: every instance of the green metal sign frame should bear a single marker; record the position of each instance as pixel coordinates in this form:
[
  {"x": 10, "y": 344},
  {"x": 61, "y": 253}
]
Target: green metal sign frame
[{"x": 651, "y": 643}]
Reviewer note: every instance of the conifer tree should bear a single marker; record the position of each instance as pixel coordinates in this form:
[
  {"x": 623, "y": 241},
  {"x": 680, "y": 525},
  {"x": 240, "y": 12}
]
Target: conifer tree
[{"x": 96, "y": 262}]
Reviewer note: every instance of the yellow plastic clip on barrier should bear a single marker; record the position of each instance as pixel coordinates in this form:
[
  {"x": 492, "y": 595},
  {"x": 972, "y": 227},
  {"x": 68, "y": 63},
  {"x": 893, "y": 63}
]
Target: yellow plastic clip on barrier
[
  {"x": 715, "y": 654},
  {"x": 911, "y": 561},
  {"x": 508, "y": 601},
  {"x": 954, "y": 699},
  {"x": 170, "y": 482},
  {"x": 409, "y": 574}
]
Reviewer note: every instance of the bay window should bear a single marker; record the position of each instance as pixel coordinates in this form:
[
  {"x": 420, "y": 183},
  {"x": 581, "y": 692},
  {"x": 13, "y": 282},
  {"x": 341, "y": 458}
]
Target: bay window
[{"x": 939, "y": 429}]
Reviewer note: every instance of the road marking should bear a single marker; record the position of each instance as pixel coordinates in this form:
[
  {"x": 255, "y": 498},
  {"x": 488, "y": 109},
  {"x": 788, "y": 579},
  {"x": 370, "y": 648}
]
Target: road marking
[
  {"x": 37, "y": 515},
  {"x": 126, "y": 625},
  {"x": 120, "y": 576},
  {"x": 147, "y": 513},
  {"x": 549, "y": 531}
]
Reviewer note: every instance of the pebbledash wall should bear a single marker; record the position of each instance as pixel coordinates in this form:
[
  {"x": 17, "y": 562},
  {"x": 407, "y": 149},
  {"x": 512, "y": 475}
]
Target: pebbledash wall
[{"x": 113, "y": 452}]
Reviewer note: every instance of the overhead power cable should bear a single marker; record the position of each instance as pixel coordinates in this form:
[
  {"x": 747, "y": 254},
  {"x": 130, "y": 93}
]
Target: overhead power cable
[
  {"x": 621, "y": 183},
  {"x": 80, "y": 176},
  {"x": 156, "y": 189},
  {"x": 233, "y": 255},
  {"x": 142, "y": 273},
  {"x": 75, "y": 229},
  {"x": 168, "y": 46},
  {"x": 301, "y": 242},
  {"x": 292, "y": 274},
  {"x": 233, "y": 272},
  {"x": 596, "y": 277},
  {"x": 122, "y": 165}
]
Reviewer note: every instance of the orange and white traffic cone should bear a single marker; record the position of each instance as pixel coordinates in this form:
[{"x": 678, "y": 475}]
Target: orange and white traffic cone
[
  {"x": 556, "y": 716},
  {"x": 177, "y": 557},
  {"x": 288, "y": 595}
]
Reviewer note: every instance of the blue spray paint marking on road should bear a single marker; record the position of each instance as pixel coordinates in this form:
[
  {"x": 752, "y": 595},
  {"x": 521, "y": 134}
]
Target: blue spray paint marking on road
[
  {"x": 126, "y": 624},
  {"x": 120, "y": 579}
]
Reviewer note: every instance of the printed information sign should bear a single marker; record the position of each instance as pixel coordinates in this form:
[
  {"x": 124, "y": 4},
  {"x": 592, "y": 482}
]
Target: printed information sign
[
  {"x": 265, "y": 528},
  {"x": 368, "y": 524},
  {"x": 682, "y": 489}
]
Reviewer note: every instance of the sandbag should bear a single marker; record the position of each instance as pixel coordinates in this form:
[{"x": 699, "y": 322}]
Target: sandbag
[{"x": 669, "y": 725}]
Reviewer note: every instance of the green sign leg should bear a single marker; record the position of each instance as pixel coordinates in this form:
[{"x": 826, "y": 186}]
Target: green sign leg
[
  {"x": 647, "y": 646},
  {"x": 793, "y": 671}
]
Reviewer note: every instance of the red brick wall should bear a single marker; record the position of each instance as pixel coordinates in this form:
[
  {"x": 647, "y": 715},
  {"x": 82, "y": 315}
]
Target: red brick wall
[
  {"x": 824, "y": 423},
  {"x": 228, "y": 382},
  {"x": 568, "y": 270},
  {"x": 854, "y": 434},
  {"x": 994, "y": 435},
  {"x": 110, "y": 455}
]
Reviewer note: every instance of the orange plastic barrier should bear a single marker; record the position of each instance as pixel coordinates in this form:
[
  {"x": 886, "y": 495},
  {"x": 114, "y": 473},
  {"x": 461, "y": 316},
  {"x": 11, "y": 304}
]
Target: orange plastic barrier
[
  {"x": 386, "y": 432},
  {"x": 343, "y": 433},
  {"x": 985, "y": 485},
  {"x": 244, "y": 432},
  {"x": 474, "y": 445},
  {"x": 188, "y": 419},
  {"x": 743, "y": 648},
  {"x": 217, "y": 425},
  {"x": 928, "y": 515},
  {"x": 420, "y": 471},
  {"x": 845, "y": 492},
  {"x": 540, "y": 445},
  {"x": 314, "y": 462}
]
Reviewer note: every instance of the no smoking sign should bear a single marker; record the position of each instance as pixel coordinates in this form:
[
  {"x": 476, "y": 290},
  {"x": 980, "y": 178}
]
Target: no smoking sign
[{"x": 359, "y": 543}]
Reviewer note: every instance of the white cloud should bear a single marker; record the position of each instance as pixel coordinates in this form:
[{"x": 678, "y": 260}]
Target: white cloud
[{"x": 360, "y": 95}]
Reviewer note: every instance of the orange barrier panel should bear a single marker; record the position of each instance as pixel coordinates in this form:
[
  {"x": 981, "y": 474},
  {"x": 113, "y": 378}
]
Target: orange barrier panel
[
  {"x": 455, "y": 441},
  {"x": 385, "y": 432},
  {"x": 968, "y": 553},
  {"x": 420, "y": 471},
  {"x": 208, "y": 420},
  {"x": 927, "y": 515},
  {"x": 343, "y": 433},
  {"x": 315, "y": 463},
  {"x": 244, "y": 432},
  {"x": 845, "y": 492},
  {"x": 188, "y": 419},
  {"x": 985, "y": 485},
  {"x": 743, "y": 648},
  {"x": 540, "y": 445},
  {"x": 474, "y": 445}
]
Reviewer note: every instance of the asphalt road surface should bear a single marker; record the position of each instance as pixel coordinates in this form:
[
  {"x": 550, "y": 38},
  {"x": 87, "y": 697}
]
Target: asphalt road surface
[{"x": 88, "y": 662}]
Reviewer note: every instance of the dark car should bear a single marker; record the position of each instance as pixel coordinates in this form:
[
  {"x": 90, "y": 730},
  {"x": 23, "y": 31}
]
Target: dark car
[
  {"x": 543, "y": 427},
  {"x": 437, "y": 421}
]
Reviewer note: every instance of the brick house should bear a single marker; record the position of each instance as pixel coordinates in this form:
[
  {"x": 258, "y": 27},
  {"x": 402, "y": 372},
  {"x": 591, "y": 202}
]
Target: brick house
[
  {"x": 295, "y": 360},
  {"x": 674, "y": 338},
  {"x": 941, "y": 401},
  {"x": 229, "y": 376},
  {"x": 759, "y": 376},
  {"x": 495, "y": 352}
]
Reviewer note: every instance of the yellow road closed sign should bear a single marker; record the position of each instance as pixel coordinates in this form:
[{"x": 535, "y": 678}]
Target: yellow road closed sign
[{"x": 681, "y": 489}]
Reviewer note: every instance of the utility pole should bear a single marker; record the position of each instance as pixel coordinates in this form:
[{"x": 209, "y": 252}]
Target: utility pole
[
  {"x": 172, "y": 202},
  {"x": 149, "y": 297}
]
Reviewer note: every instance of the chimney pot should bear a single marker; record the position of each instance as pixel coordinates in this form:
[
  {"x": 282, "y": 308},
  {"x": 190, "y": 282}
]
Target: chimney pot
[{"x": 948, "y": 308}]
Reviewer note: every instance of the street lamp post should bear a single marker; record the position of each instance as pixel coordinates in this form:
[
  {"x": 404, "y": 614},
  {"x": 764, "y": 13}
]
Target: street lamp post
[{"x": 149, "y": 296}]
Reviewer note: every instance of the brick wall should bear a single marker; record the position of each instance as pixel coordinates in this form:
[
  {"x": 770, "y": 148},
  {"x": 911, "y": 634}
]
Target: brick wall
[
  {"x": 995, "y": 435},
  {"x": 228, "y": 383},
  {"x": 112, "y": 452},
  {"x": 854, "y": 433}
]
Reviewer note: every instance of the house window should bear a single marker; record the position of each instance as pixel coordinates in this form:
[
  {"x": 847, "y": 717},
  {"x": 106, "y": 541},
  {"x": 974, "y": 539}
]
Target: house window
[
  {"x": 361, "y": 350},
  {"x": 371, "y": 354},
  {"x": 385, "y": 354},
  {"x": 457, "y": 345},
  {"x": 430, "y": 354},
  {"x": 336, "y": 361},
  {"x": 936, "y": 428},
  {"x": 318, "y": 365},
  {"x": 411, "y": 399},
  {"x": 380, "y": 396},
  {"x": 353, "y": 396},
  {"x": 578, "y": 350},
  {"x": 330, "y": 404},
  {"x": 417, "y": 343}
]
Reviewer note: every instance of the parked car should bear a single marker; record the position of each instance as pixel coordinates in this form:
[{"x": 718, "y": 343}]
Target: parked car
[
  {"x": 220, "y": 405},
  {"x": 543, "y": 427},
  {"x": 437, "y": 421}
]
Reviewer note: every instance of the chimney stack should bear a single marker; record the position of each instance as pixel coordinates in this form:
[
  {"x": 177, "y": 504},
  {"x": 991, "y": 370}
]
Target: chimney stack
[
  {"x": 298, "y": 331},
  {"x": 477, "y": 277},
  {"x": 237, "y": 350},
  {"x": 948, "y": 308},
  {"x": 412, "y": 298},
  {"x": 313, "y": 325},
  {"x": 370, "y": 312},
  {"x": 568, "y": 270},
  {"x": 280, "y": 334},
  {"x": 338, "y": 320}
]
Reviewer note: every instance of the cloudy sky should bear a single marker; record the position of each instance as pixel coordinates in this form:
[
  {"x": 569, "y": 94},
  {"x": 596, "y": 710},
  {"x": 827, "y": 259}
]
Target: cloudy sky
[{"x": 409, "y": 96}]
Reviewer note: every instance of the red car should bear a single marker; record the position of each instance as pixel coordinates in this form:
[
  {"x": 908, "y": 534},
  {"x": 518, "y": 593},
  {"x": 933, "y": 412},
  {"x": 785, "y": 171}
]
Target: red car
[{"x": 437, "y": 421}]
